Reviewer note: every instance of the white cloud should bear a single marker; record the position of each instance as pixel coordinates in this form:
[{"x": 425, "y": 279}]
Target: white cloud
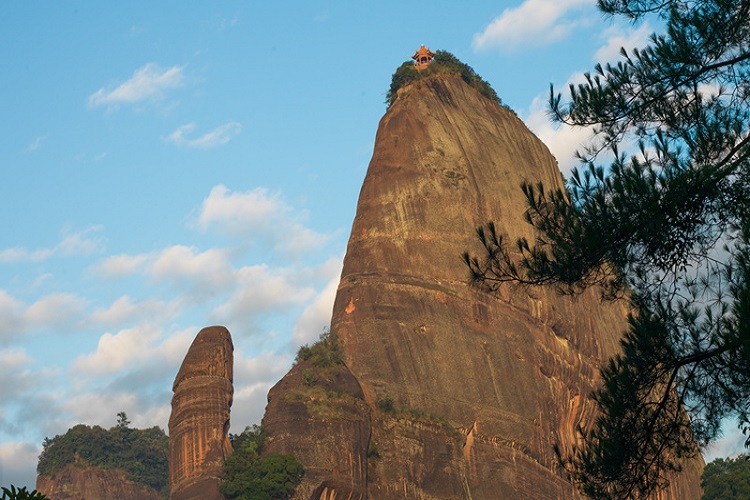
[
  {"x": 250, "y": 400},
  {"x": 71, "y": 244},
  {"x": 60, "y": 311},
  {"x": 10, "y": 359},
  {"x": 147, "y": 82},
  {"x": 534, "y": 22},
  {"x": 100, "y": 407},
  {"x": 238, "y": 212},
  {"x": 710, "y": 90},
  {"x": 317, "y": 315},
  {"x": 261, "y": 290},
  {"x": 173, "y": 349},
  {"x": 36, "y": 143},
  {"x": 27, "y": 407},
  {"x": 18, "y": 461},
  {"x": 730, "y": 444},
  {"x": 126, "y": 310},
  {"x": 253, "y": 377},
  {"x": 120, "y": 265},
  {"x": 133, "y": 370},
  {"x": 216, "y": 137},
  {"x": 119, "y": 311},
  {"x": 15, "y": 365},
  {"x": 257, "y": 211},
  {"x": 562, "y": 140},
  {"x": 39, "y": 280},
  {"x": 80, "y": 243},
  {"x": 144, "y": 347},
  {"x": 153, "y": 415},
  {"x": 11, "y": 312},
  {"x": 19, "y": 254},
  {"x": 115, "y": 351},
  {"x": 183, "y": 266},
  {"x": 617, "y": 37}
]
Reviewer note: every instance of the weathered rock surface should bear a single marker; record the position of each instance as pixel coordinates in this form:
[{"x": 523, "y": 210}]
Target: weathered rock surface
[
  {"x": 199, "y": 423},
  {"x": 76, "y": 482},
  {"x": 331, "y": 421},
  {"x": 463, "y": 393}
]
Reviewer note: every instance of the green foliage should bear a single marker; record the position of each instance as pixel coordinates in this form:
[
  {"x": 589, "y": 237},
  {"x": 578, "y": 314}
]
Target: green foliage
[
  {"x": 14, "y": 493},
  {"x": 448, "y": 63},
  {"x": 247, "y": 476},
  {"x": 309, "y": 377},
  {"x": 386, "y": 405},
  {"x": 122, "y": 420},
  {"x": 442, "y": 63},
  {"x": 323, "y": 353},
  {"x": 142, "y": 453},
  {"x": 665, "y": 227},
  {"x": 405, "y": 74},
  {"x": 727, "y": 479}
]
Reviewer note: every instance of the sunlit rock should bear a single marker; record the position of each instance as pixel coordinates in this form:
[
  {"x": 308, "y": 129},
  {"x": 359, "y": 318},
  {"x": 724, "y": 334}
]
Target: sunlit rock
[{"x": 199, "y": 423}]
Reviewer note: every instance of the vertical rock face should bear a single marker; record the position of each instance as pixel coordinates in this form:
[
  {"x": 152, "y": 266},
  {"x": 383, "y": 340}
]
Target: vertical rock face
[
  {"x": 465, "y": 393},
  {"x": 75, "y": 482},
  {"x": 199, "y": 423}
]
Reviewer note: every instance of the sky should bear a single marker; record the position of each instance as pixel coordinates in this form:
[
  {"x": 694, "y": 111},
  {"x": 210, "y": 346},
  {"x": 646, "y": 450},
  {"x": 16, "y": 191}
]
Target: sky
[{"x": 170, "y": 165}]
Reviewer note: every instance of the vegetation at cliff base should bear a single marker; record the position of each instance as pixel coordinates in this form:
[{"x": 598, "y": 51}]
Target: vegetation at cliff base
[
  {"x": 727, "y": 479},
  {"x": 665, "y": 227},
  {"x": 442, "y": 63},
  {"x": 142, "y": 453},
  {"x": 247, "y": 476}
]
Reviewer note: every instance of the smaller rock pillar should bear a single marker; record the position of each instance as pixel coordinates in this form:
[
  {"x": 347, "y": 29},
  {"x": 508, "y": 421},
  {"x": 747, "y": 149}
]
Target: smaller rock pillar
[{"x": 199, "y": 423}]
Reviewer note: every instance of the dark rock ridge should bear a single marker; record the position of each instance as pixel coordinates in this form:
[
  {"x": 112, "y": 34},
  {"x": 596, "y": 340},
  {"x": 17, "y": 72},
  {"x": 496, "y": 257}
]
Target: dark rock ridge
[
  {"x": 447, "y": 391},
  {"x": 199, "y": 423},
  {"x": 76, "y": 482}
]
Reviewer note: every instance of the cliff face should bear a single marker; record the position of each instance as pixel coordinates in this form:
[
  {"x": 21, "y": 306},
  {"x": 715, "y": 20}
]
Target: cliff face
[
  {"x": 462, "y": 394},
  {"x": 199, "y": 423},
  {"x": 75, "y": 482}
]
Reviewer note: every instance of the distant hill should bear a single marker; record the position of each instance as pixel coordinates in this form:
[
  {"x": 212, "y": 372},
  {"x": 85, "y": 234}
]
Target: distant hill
[{"x": 129, "y": 463}]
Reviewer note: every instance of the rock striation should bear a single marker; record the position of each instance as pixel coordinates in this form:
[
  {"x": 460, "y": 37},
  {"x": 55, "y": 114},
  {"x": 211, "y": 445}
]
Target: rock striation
[
  {"x": 199, "y": 423},
  {"x": 76, "y": 482},
  {"x": 446, "y": 391}
]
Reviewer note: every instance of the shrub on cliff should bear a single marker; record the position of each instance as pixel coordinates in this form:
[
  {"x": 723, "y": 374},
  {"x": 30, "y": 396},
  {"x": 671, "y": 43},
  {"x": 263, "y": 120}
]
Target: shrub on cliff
[
  {"x": 323, "y": 353},
  {"x": 247, "y": 476},
  {"x": 141, "y": 453},
  {"x": 442, "y": 63}
]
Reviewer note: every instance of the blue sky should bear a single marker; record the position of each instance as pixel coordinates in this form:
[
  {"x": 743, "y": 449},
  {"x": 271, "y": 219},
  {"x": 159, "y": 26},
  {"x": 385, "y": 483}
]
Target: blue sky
[{"x": 172, "y": 165}]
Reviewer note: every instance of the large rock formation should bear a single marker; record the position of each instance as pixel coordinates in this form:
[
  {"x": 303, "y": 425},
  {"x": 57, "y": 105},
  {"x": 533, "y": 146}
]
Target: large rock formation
[
  {"x": 446, "y": 391},
  {"x": 77, "y": 482},
  {"x": 199, "y": 423}
]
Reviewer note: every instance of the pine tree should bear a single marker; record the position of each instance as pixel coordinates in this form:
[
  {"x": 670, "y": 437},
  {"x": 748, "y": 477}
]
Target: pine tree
[{"x": 666, "y": 227}]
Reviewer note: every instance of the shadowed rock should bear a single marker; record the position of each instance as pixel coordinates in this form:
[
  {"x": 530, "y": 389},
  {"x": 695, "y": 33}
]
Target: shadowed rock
[
  {"x": 199, "y": 423},
  {"x": 77, "y": 482},
  {"x": 465, "y": 393}
]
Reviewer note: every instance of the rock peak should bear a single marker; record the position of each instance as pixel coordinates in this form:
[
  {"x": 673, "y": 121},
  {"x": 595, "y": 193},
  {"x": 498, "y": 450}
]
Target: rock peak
[
  {"x": 199, "y": 423},
  {"x": 461, "y": 394}
]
